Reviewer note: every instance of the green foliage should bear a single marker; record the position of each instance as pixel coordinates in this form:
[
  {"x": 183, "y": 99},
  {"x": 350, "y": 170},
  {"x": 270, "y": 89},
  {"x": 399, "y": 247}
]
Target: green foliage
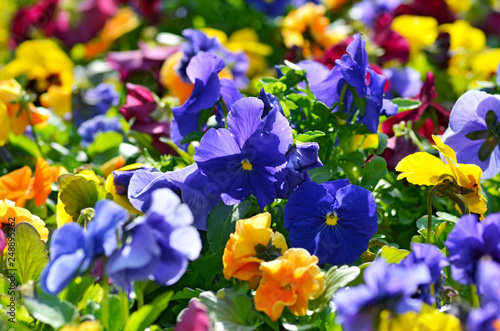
[
  {"x": 406, "y": 104},
  {"x": 145, "y": 316},
  {"x": 30, "y": 254},
  {"x": 50, "y": 310}
]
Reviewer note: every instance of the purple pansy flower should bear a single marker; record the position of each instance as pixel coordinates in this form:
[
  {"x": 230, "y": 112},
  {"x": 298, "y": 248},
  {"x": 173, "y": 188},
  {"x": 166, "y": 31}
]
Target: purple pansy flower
[
  {"x": 474, "y": 131},
  {"x": 469, "y": 242},
  {"x": 333, "y": 220},
  {"x": 368, "y": 10},
  {"x": 352, "y": 69},
  {"x": 3, "y": 241},
  {"x": 387, "y": 287},
  {"x": 203, "y": 71},
  {"x": 248, "y": 157},
  {"x": 89, "y": 130},
  {"x": 189, "y": 181},
  {"x": 405, "y": 82},
  {"x": 435, "y": 260},
  {"x": 72, "y": 249},
  {"x": 158, "y": 245},
  {"x": 488, "y": 279}
]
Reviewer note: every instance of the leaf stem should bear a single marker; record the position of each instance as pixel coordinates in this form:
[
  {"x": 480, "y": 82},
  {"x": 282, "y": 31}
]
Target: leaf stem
[
  {"x": 30, "y": 121},
  {"x": 429, "y": 213},
  {"x": 105, "y": 303}
]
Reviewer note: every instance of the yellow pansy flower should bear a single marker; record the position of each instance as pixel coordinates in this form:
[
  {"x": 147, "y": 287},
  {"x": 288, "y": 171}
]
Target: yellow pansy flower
[
  {"x": 240, "y": 257},
  {"x": 421, "y": 31},
  {"x": 120, "y": 199},
  {"x": 426, "y": 169},
  {"x": 428, "y": 319},
  {"x": 464, "y": 37},
  {"x": 44, "y": 63},
  {"x": 85, "y": 326}
]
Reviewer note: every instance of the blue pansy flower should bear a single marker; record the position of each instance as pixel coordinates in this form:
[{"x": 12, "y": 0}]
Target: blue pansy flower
[
  {"x": 333, "y": 220},
  {"x": 300, "y": 158},
  {"x": 474, "y": 131},
  {"x": 246, "y": 158},
  {"x": 368, "y": 10},
  {"x": 354, "y": 70},
  {"x": 488, "y": 282},
  {"x": 469, "y": 242},
  {"x": 387, "y": 287},
  {"x": 157, "y": 246},
  {"x": 405, "y": 82},
  {"x": 96, "y": 101},
  {"x": 435, "y": 260},
  {"x": 203, "y": 71},
  {"x": 89, "y": 130},
  {"x": 189, "y": 181},
  {"x": 73, "y": 249}
]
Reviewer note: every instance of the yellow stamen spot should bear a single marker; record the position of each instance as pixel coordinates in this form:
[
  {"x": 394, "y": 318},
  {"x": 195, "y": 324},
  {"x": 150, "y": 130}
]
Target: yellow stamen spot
[
  {"x": 246, "y": 165},
  {"x": 331, "y": 219}
]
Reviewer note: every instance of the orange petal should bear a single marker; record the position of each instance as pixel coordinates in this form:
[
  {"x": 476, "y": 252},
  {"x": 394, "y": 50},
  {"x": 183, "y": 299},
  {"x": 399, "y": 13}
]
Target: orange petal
[
  {"x": 16, "y": 186},
  {"x": 42, "y": 185}
]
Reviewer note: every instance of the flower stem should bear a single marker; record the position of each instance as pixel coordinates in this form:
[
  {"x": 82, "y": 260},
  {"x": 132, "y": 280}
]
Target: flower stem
[
  {"x": 429, "y": 213},
  {"x": 474, "y": 297},
  {"x": 124, "y": 306},
  {"x": 105, "y": 303},
  {"x": 35, "y": 135}
]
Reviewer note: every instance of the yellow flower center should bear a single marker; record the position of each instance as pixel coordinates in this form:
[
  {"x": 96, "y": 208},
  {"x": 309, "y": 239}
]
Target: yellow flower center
[
  {"x": 246, "y": 164},
  {"x": 331, "y": 218}
]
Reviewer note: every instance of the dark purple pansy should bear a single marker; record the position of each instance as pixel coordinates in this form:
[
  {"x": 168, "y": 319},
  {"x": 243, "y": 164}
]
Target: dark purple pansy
[
  {"x": 334, "y": 220},
  {"x": 247, "y": 158},
  {"x": 469, "y": 242},
  {"x": 158, "y": 245},
  {"x": 387, "y": 287}
]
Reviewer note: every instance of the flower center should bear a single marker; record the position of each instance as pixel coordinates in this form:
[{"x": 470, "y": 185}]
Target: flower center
[
  {"x": 331, "y": 218},
  {"x": 245, "y": 164},
  {"x": 491, "y": 136}
]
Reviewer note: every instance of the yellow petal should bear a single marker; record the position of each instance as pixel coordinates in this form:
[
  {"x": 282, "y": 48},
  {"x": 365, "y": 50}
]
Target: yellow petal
[{"x": 422, "y": 169}]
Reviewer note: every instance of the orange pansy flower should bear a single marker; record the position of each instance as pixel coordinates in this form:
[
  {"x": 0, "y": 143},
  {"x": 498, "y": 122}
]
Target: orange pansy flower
[
  {"x": 291, "y": 280},
  {"x": 45, "y": 175},
  {"x": 9, "y": 211},
  {"x": 17, "y": 186},
  {"x": 240, "y": 256}
]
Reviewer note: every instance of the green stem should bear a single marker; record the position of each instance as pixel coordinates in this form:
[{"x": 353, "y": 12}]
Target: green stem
[
  {"x": 124, "y": 306},
  {"x": 105, "y": 303},
  {"x": 474, "y": 297},
  {"x": 341, "y": 99},
  {"x": 429, "y": 213},
  {"x": 140, "y": 297},
  {"x": 35, "y": 135},
  {"x": 1, "y": 262}
]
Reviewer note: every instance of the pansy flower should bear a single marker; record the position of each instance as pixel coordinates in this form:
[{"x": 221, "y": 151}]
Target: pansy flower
[
  {"x": 158, "y": 245},
  {"x": 469, "y": 242},
  {"x": 289, "y": 281},
  {"x": 426, "y": 169},
  {"x": 387, "y": 287},
  {"x": 9, "y": 211},
  {"x": 333, "y": 220},
  {"x": 90, "y": 129},
  {"x": 474, "y": 131},
  {"x": 246, "y": 248},
  {"x": 203, "y": 71},
  {"x": 247, "y": 157},
  {"x": 191, "y": 183},
  {"x": 73, "y": 249}
]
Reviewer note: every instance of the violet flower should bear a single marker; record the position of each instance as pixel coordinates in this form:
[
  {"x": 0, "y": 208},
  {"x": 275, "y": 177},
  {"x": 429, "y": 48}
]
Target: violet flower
[
  {"x": 247, "y": 157},
  {"x": 474, "y": 131}
]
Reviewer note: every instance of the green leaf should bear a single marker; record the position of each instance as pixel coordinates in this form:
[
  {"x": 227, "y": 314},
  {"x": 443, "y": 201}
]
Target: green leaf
[
  {"x": 105, "y": 141},
  {"x": 393, "y": 254},
  {"x": 234, "y": 311},
  {"x": 222, "y": 222},
  {"x": 31, "y": 256},
  {"x": 373, "y": 171},
  {"x": 321, "y": 174},
  {"x": 307, "y": 136},
  {"x": 382, "y": 142},
  {"x": 187, "y": 293},
  {"x": 210, "y": 265},
  {"x": 447, "y": 217},
  {"x": 144, "y": 317},
  {"x": 422, "y": 222},
  {"x": 77, "y": 193},
  {"x": 24, "y": 143},
  {"x": 94, "y": 293},
  {"x": 50, "y": 310},
  {"x": 335, "y": 278},
  {"x": 406, "y": 104},
  {"x": 192, "y": 136}
]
